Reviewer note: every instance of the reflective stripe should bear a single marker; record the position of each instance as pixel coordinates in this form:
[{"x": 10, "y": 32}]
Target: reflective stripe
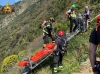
[
  {"x": 53, "y": 41},
  {"x": 48, "y": 25},
  {"x": 45, "y": 28},
  {"x": 60, "y": 67},
  {"x": 45, "y": 31},
  {"x": 55, "y": 69}
]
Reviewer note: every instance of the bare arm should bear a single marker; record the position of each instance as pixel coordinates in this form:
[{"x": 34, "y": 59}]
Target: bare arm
[
  {"x": 43, "y": 24},
  {"x": 92, "y": 54},
  {"x": 67, "y": 13},
  {"x": 55, "y": 47}
]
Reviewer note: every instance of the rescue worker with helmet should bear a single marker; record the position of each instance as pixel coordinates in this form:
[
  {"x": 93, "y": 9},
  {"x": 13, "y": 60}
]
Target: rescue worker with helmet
[
  {"x": 94, "y": 44},
  {"x": 72, "y": 18},
  {"x": 47, "y": 29},
  {"x": 59, "y": 49}
]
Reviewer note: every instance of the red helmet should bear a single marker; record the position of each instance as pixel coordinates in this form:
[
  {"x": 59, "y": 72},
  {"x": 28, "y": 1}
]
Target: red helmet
[
  {"x": 98, "y": 18},
  {"x": 61, "y": 33}
]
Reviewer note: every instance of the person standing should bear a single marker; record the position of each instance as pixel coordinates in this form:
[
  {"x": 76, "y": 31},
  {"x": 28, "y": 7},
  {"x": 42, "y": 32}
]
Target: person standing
[
  {"x": 72, "y": 18},
  {"x": 94, "y": 43},
  {"x": 59, "y": 49},
  {"x": 87, "y": 15},
  {"x": 47, "y": 29}
]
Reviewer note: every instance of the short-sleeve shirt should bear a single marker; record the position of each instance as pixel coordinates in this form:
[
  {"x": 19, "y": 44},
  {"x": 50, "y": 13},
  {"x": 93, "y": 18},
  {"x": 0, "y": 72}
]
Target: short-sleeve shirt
[
  {"x": 95, "y": 36},
  {"x": 71, "y": 10}
]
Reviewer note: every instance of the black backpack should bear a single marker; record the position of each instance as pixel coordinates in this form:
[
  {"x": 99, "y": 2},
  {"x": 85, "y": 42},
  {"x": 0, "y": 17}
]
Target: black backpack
[{"x": 63, "y": 41}]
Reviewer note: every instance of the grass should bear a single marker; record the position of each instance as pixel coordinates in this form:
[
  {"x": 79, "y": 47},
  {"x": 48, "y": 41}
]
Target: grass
[
  {"x": 77, "y": 53},
  {"x": 17, "y": 36},
  {"x": 72, "y": 59}
]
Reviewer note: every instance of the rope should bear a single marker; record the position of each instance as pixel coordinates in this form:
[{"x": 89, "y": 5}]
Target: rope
[{"x": 94, "y": 18}]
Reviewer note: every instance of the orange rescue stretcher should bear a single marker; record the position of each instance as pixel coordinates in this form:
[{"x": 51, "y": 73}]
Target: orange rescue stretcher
[{"x": 34, "y": 60}]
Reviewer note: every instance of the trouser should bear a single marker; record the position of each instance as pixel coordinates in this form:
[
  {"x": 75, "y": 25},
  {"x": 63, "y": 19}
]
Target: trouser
[
  {"x": 73, "y": 20},
  {"x": 58, "y": 57},
  {"x": 86, "y": 20},
  {"x": 96, "y": 73},
  {"x": 46, "y": 38}
]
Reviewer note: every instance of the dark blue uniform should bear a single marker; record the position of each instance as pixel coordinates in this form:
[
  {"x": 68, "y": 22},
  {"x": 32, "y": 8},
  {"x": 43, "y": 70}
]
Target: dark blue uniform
[
  {"x": 47, "y": 32},
  {"x": 60, "y": 42},
  {"x": 95, "y": 36}
]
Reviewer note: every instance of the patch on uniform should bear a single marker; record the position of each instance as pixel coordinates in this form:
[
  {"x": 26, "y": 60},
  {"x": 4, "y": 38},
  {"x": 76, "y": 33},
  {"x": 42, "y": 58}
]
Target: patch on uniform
[{"x": 7, "y": 9}]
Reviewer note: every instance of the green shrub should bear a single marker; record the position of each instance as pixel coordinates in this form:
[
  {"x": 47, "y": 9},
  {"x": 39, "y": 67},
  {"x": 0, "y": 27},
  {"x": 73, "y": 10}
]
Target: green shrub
[
  {"x": 9, "y": 62},
  {"x": 22, "y": 54},
  {"x": 60, "y": 26}
]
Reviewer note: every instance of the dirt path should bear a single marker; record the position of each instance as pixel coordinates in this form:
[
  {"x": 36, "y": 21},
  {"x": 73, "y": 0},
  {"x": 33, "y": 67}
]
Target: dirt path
[{"x": 85, "y": 67}]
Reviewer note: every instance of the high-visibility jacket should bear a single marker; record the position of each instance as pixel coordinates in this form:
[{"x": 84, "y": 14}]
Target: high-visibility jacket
[
  {"x": 70, "y": 12},
  {"x": 47, "y": 28},
  {"x": 73, "y": 15}
]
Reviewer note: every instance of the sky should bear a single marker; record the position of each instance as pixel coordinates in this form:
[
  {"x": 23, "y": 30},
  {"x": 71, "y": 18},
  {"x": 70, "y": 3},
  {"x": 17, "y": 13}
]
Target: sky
[{"x": 3, "y": 2}]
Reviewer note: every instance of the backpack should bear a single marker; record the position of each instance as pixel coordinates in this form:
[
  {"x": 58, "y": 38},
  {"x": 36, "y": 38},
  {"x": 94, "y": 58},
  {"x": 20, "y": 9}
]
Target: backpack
[{"x": 63, "y": 42}]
